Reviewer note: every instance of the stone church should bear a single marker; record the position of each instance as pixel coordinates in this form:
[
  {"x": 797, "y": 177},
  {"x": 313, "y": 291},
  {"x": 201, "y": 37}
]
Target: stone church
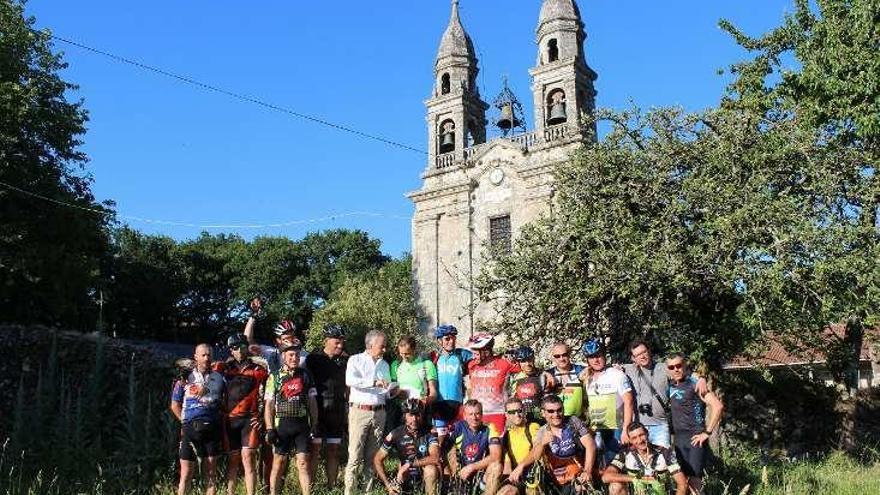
[{"x": 476, "y": 193}]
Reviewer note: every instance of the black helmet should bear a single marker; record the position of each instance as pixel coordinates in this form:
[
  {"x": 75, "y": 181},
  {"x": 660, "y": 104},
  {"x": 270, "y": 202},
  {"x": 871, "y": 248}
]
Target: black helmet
[
  {"x": 523, "y": 353},
  {"x": 412, "y": 406},
  {"x": 334, "y": 332},
  {"x": 236, "y": 340}
]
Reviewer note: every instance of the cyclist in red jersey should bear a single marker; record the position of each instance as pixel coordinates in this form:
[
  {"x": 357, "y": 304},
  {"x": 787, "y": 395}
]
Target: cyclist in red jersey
[
  {"x": 244, "y": 377},
  {"x": 487, "y": 379}
]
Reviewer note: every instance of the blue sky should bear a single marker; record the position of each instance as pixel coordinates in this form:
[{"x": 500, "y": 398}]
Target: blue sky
[{"x": 168, "y": 151}]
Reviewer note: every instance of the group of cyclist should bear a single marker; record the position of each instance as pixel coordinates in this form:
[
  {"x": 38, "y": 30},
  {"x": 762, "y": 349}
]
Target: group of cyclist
[{"x": 459, "y": 420}]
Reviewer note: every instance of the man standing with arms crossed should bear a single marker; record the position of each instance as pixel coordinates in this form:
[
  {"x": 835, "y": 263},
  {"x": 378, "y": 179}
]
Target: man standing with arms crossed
[{"x": 368, "y": 377}]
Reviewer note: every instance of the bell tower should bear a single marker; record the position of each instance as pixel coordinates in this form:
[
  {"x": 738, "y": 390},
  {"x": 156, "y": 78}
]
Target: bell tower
[
  {"x": 456, "y": 113},
  {"x": 562, "y": 82}
]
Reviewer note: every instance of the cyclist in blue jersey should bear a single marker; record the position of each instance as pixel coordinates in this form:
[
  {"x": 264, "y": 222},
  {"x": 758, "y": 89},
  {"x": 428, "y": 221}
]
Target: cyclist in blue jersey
[
  {"x": 477, "y": 449},
  {"x": 451, "y": 364},
  {"x": 196, "y": 402}
]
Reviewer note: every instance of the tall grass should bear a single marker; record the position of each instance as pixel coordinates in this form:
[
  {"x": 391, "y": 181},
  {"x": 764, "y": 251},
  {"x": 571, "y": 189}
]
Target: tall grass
[{"x": 94, "y": 428}]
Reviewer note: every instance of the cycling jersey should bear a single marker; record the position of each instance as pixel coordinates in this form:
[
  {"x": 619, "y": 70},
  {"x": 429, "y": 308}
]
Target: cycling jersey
[
  {"x": 199, "y": 395},
  {"x": 243, "y": 381},
  {"x": 688, "y": 410},
  {"x": 488, "y": 383},
  {"x": 658, "y": 462},
  {"x": 517, "y": 443},
  {"x": 413, "y": 376},
  {"x": 291, "y": 390},
  {"x": 329, "y": 375},
  {"x": 451, "y": 368},
  {"x": 564, "y": 452},
  {"x": 605, "y": 393},
  {"x": 570, "y": 389},
  {"x": 473, "y": 446},
  {"x": 530, "y": 390},
  {"x": 409, "y": 445}
]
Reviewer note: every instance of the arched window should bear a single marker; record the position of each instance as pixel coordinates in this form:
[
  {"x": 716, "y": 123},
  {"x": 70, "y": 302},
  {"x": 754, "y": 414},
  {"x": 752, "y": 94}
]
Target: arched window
[
  {"x": 444, "y": 84},
  {"x": 447, "y": 136},
  {"x": 552, "y": 50}
]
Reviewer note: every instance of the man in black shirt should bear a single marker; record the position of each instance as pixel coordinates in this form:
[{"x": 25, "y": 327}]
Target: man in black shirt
[
  {"x": 417, "y": 450},
  {"x": 327, "y": 367}
]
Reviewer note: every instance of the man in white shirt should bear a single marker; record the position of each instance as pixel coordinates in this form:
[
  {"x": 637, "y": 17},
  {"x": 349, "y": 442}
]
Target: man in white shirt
[{"x": 368, "y": 377}]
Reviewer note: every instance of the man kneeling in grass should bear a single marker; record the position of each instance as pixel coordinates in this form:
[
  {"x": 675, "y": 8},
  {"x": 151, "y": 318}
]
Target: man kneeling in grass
[
  {"x": 417, "y": 450},
  {"x": 646, "y": 466}
]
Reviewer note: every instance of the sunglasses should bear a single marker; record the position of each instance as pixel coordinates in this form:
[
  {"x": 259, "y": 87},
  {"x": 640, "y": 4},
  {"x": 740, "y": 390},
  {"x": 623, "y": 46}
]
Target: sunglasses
[
  {"x": 511, "y": 412},
  {"x": 553, "y": 411},
  {"x": 675, "y": 366},
  {"x": 557, "y": 356}
]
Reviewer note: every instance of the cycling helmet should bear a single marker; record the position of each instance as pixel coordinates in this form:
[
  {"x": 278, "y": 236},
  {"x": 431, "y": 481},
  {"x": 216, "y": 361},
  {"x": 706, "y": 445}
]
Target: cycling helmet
[
  {"x": 334, "y": 332},
  {"x": 444, "y": 330},
  {"x": 286, "y": 326},
  {"x": 523, "y": 353},
  {"x": 594, "y": 347},
  {"x": 412, "y": 406},
  {"x": 481, "y": 340},
  {"x": 236, "y": 340},
  {"x": 293, "y": 344}
]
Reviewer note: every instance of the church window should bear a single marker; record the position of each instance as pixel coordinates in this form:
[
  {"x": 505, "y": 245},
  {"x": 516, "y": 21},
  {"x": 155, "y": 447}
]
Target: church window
[
  {"x": 499, "y": 234},
  {"x": 444, "y": 84},
  {"x": 552, "y": 50}
]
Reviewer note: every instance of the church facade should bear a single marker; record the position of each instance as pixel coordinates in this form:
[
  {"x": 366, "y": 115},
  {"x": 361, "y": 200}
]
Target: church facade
[{"x": 476, "y": 195}]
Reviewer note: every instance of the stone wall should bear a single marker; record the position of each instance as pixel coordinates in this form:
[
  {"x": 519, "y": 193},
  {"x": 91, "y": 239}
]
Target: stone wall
[
  {"x": 789, "y": 415},
  {"x": 26, "y": 352}
]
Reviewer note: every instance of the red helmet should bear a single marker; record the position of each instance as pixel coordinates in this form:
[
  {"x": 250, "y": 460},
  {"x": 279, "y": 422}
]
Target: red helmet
[{"x": 285, "y": 327}]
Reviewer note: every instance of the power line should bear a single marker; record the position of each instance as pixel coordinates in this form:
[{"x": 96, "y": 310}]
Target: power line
[
  {"x": 206, "y": 225},
  {"x": 238, "y": 96}
]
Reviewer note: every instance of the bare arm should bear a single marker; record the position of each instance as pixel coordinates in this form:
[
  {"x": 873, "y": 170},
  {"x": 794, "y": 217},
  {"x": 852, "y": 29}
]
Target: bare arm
[
  {"x": 716, "y": 407},
  {"x": 627, "y": 416},
  {"x": 613, "y": 475},
  {"x": 269, "y": 414},
  {"x": 177, "y": 410},
  {"x": 379, "y": 468},
  {"x": 432, "y": 392},
  {"x": 432, "y": 459},
  {"x": 531, "y": 458},
  {"x": 589, "y": 455}
]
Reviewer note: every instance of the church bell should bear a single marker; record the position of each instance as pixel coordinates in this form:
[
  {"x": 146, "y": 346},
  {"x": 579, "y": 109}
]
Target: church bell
[
  {"x": 507, "y": 120},
  {"x": 557, "y": 113},
  {"x": 447, "y": 142}
]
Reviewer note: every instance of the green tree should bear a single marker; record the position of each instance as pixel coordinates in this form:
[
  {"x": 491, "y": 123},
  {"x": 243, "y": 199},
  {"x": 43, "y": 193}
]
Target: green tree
[
  {"x": 144, "y": 285},
  {"x": 717, "y": 230},
  {"x": 208, "y": 304},
  {"x": 49, "y": 253},
  {"x": 378, "y": 299}
]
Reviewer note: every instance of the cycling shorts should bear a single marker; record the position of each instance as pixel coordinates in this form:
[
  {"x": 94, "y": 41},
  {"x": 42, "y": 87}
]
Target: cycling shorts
[
  {"x": 446, "y": 413},
  {"x": 332, "y": 425},
  {"x": 242, "y": 433},
  {"x": 692, "y": 459},
  {"x": 499, "y": 420},
  {"x": 293, "y": 436},
  {"x": 200, "y": 438}
]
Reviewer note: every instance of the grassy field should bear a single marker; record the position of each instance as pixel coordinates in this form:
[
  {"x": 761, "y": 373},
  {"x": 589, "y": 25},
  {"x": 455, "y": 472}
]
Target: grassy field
[{"x": 837, "y": 474}]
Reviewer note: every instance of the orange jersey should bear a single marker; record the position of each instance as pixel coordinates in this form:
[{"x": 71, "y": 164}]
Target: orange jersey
[{"x": 243, "y": 381}]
